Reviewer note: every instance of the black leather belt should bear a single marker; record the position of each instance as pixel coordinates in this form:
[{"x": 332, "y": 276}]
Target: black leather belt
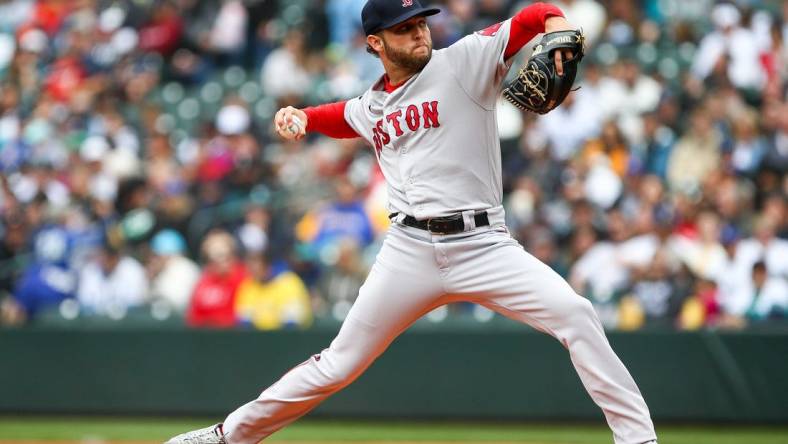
[{"x": 444, "y": 225}]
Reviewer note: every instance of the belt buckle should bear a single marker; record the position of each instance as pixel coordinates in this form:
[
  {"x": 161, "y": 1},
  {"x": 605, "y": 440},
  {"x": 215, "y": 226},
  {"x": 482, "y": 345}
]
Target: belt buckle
[
  {"x": 440, "y": 225},
  {"x": 433, "y": 230}
]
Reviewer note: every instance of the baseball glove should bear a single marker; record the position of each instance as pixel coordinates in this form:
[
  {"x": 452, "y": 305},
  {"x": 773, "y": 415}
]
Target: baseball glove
[{"x": 538, "y": 87}]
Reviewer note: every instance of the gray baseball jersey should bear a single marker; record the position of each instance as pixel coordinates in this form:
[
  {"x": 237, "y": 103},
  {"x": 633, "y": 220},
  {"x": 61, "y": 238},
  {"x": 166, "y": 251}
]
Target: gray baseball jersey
[{"x": 436, "y": 136}]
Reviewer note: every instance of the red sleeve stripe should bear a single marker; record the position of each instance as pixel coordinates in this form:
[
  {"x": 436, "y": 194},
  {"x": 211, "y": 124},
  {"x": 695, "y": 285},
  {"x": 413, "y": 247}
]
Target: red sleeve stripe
[{"x": 329, "y": 119}]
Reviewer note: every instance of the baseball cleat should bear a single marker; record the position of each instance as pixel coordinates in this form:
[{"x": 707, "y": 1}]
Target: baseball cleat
[{"x": 208, "y": 435}]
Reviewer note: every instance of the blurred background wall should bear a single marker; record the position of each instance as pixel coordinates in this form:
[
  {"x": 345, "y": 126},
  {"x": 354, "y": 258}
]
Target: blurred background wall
[{"x": 501, "y": 372}]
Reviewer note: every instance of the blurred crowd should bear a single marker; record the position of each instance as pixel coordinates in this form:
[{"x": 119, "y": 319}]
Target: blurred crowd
[{"x": 140, "y": 172}]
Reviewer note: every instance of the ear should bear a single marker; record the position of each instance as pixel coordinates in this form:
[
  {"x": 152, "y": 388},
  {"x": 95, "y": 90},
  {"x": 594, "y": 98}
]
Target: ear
[{"x": 375, "y": 42}]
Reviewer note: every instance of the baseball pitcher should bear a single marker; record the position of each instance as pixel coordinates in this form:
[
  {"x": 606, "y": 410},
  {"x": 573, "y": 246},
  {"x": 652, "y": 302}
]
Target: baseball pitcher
[{"x": 432, "y": 123}]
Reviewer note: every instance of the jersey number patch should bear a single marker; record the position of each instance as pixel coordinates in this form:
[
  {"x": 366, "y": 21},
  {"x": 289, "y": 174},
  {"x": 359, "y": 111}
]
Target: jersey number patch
[{"x": 490, "y": 31}]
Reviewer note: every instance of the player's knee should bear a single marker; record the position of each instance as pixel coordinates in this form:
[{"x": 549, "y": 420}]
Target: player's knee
[
  {"x": 579, "y": 309},
  {"x": 577, "y": 319}
]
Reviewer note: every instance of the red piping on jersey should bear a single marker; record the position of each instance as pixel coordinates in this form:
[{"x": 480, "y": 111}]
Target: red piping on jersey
[
  {"x": 329, "y": 119},
  {"x": 526, "y": 24},
  {"x": 390, "y": 87}
]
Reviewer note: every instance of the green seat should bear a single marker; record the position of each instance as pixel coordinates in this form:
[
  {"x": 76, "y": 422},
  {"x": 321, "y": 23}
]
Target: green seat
[
  {"x": 250, "y": 91},
  {"x": 211, "y": 92},
  {"x": 172, "y": 92},
  {"x": 233, "y": 77}
]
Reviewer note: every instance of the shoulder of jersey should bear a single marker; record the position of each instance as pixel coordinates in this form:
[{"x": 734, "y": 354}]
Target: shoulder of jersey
[{"x": 491, "y": 30}]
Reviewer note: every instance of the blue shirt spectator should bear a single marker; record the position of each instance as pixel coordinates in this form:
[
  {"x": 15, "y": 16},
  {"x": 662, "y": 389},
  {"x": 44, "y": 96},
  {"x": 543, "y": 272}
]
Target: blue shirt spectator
[{"x": 48, "y": 280}]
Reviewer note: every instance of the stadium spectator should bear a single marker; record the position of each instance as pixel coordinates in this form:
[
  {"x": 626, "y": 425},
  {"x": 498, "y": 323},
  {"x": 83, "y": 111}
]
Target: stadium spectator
[
  {"x": 542, "y": 244},
  {"x": 656, "y": 288},
  {"x": 272, "y": 297},
  {"x": 695, "y": 154},
  {"x": 701, "y": 308},
  {"x": 213, "y": 301},
  {"x": 13, "y": 242},
  {"x": 601, "y": 284},
  {"x": 769, "y": 296},
  {"x": 731, "y": 50},
  {"x": 700, "y": 250},
  {"x": 340, "y": 280},
  {"x": 253, "y": 233},
  {"x": 48, "y": 279},
  {"x": 112, "y": 283},
  {"x": 163, "y": 32},
  {"x": 655, "y": 147},
  {"x": 575, "y": 121},
  {"x": 587, "y": 14},
  {"x": 749, "y": 148},
  {"x": 609, "y": 148},
  {"x": 344, "y": 18},
  {"x": 227, "y": 38},
  {"x": 173, "y": 276},
  {"x": 285, "y": 75},
  {"x": 344, "y": 218},
  {"x": 766, "y": 246}
]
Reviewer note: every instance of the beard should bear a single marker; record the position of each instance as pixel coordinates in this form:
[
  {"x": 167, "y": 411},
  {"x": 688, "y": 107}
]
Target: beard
[{"x": 404, "y": 59}]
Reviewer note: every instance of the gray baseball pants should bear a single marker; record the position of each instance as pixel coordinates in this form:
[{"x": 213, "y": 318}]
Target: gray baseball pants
[{"x": 417, "y": 271}]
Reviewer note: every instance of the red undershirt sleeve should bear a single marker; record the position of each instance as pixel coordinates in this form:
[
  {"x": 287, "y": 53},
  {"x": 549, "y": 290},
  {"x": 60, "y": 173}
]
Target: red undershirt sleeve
[
  {"x": 329, "y": 119},
  {"x": 527, "y": 24}
]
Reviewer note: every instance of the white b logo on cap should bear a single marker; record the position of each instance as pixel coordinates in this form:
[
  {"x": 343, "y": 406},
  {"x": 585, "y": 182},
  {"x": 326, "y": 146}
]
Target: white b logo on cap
[{"x": 406, "y": 3}]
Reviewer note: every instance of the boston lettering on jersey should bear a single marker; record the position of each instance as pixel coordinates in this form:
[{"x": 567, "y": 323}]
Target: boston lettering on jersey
[{"x": 413, "y": 118}]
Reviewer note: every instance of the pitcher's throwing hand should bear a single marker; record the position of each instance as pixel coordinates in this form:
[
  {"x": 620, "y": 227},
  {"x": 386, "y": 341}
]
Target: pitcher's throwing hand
[{"x": 290, "y": 123}]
